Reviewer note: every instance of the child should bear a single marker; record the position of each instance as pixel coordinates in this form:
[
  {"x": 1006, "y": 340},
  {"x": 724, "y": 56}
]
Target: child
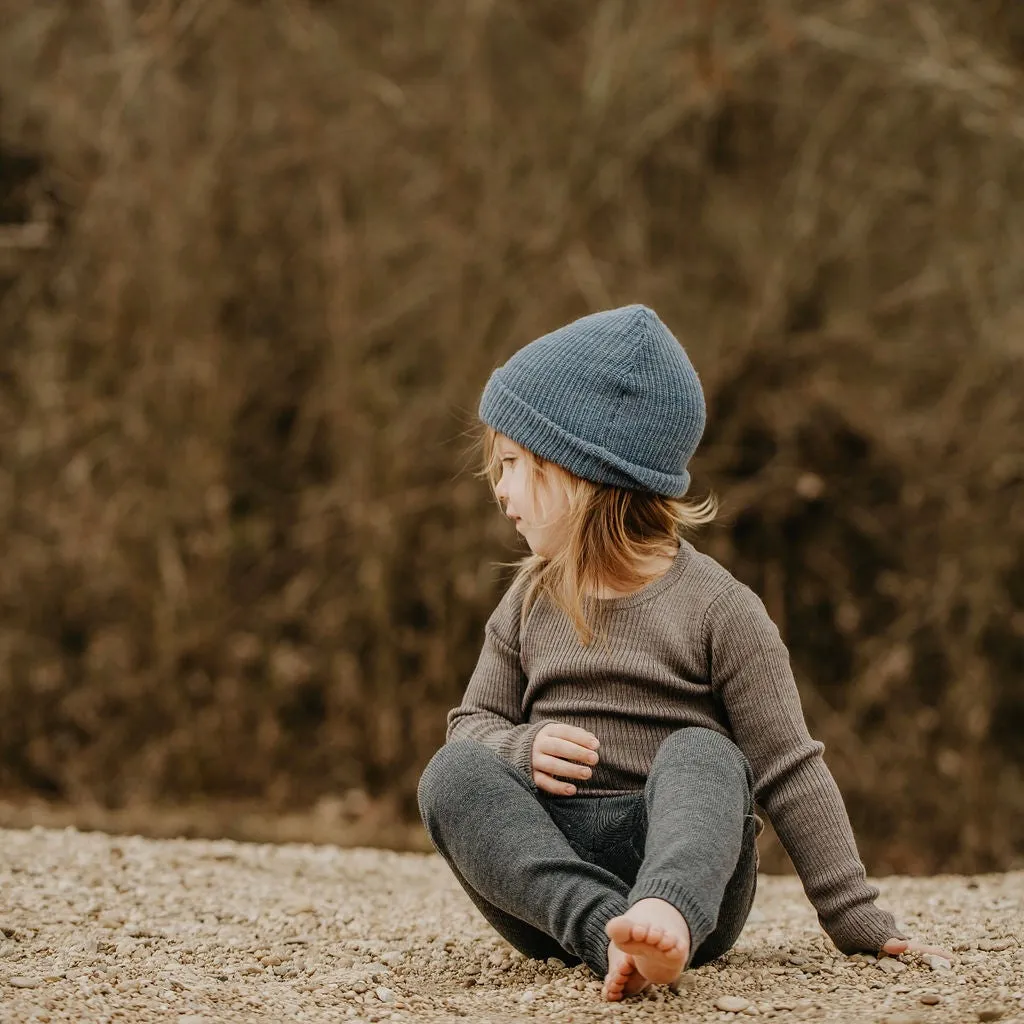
[{"x": 595, "y": 797}]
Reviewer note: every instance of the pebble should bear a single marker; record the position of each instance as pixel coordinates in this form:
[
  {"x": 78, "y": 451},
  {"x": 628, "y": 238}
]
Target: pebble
[
  {"x": 20, "y": 982},
  {"x": 903, "y": 1018},
  {"x": 931, "y": 998},
  {"x": 995, "y": 945},
  {"x": 989, "y": 1013},
  {"x": 937, "y": 963},
  {"x": 891, "y": 966},
  {"x": 528, "y": 996},
  {"x": 732, "y": 1004},
  {"x": 385, "y": 995}
]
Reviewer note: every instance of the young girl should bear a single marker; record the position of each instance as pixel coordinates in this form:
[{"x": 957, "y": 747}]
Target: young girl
[{"x": 595, "y": 797}]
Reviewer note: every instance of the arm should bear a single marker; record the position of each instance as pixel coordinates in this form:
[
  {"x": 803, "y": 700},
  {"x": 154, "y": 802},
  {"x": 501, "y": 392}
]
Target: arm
[
  {"x": 751, "y": 674},
  {"x": 491, "y": 711}
]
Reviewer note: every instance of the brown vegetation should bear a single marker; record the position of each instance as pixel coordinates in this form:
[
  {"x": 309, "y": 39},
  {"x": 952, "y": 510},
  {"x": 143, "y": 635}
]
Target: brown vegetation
[{"x": 256, "y": 261}]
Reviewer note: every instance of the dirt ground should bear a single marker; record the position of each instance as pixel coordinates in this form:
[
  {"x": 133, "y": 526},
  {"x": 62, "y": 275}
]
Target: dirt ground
[{"x": 103, "y": 928}]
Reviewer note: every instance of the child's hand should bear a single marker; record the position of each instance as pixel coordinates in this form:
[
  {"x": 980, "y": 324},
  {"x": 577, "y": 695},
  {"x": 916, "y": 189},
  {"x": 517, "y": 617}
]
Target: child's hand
[
  {"x": 894, "y": 947},
  {"x": 562, "y": 750}
]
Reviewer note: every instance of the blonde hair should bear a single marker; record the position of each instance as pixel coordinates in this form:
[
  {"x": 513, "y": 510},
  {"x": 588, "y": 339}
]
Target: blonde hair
[{"x": 608, "y": 531}]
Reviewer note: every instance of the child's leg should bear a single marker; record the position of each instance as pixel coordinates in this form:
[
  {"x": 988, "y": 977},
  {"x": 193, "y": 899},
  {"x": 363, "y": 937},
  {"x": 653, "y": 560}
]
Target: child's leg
[
  {"x": 486, "y": 821},
  {"x": 530, "y": 941},
  {"x": 699, "y": 854}
]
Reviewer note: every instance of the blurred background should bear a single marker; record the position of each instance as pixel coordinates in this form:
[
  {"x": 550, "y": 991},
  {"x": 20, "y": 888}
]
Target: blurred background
[{"x": 257, "y": 260}]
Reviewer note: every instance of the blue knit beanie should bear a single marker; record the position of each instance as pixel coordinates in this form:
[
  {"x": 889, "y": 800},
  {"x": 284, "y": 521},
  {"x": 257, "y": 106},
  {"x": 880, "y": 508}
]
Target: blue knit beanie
[{"x": 611, "y": 397}]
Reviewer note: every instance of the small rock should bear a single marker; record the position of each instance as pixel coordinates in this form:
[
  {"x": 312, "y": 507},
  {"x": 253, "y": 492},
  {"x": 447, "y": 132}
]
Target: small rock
[
  {"x": 863, "y": 958},
  {"x": 994, "y": 945},
  {"x": 891, "y": 966},
  {"x": 528, "y": 996},
  {"x": 732, "y": 1004},
  {"x": 937, "y": 963},
  {"x": 385, "y": 995},
  {"x": 782, "y": 1005},
  {"x": 987, "y": 1013},
  {"x": 192, "y": 1018},
  {"x": 931, "y": 998},
  {"x": 22, "y": 982},
  {"x": 684, "y": 983},
  {"x": 903, "y": 1018},
  {"x": 798, "y": 961},
  {"x": 553, "y": 961},
  {"x": 393, "y": 958}
]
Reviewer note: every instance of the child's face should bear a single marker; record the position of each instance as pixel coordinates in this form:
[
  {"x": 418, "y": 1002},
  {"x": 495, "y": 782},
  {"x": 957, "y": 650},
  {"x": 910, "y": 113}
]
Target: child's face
[{"x": 532, "y": 499}]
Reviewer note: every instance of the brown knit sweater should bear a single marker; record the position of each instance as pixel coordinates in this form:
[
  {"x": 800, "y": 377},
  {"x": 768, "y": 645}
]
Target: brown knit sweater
[{"x": 694, "y": 647}]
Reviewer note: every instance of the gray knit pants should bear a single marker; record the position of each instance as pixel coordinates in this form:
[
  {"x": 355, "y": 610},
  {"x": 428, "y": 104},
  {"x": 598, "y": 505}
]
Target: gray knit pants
[{"x": 549, "y": 872}]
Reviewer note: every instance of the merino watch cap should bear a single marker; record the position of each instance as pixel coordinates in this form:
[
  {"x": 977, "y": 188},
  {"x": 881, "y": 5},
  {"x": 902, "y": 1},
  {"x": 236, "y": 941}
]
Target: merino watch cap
[{"x": 611, "y": 397}]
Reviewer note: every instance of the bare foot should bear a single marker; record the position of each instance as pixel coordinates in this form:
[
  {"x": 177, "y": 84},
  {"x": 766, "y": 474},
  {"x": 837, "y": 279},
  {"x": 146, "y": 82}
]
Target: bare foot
[
  {"x": 622, "y": 979},
  {"x": 656, "y": 936}
]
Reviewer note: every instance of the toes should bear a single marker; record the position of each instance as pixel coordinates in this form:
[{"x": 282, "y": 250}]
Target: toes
[{"x": 615, "y": 983}]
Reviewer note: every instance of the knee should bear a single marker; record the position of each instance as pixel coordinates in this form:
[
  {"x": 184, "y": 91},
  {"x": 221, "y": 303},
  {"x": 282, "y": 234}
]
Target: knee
[
  {"x": 441, "y": 789},
  {"x": 704, "y": 748}
]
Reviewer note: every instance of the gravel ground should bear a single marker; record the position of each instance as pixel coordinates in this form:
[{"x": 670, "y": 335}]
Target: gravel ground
[{"x": 103, "y": 928}]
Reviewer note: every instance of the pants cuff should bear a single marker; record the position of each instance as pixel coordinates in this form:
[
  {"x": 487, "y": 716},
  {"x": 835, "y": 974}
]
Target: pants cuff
[
  {"x": 701, "y": 925},
  {"x": 596, "y": 954}
]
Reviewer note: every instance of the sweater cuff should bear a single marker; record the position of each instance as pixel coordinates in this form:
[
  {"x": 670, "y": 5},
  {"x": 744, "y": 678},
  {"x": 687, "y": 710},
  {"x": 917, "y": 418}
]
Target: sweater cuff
[
  {"x": 517, "y": 749},
  {"x": 862, "y": 929}
]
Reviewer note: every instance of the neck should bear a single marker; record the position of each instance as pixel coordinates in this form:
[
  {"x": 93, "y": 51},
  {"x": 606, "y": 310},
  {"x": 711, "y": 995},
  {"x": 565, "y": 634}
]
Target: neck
[{"x": 649, "y": 568}]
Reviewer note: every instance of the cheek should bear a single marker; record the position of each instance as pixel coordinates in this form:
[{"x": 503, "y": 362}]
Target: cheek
[{"x": 515, "y": 488}]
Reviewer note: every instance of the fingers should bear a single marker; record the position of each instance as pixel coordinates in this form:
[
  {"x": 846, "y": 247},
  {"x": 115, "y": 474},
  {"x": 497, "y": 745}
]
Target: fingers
[
  {"x": 572, "y": 733},
  {"x": 565, "y": 749},
  {"x": 556, "y": 766},
  {"x": 895, "y": 947},
  {"x": 551, "y": 785},
  {"x": 920, "y": 947}
]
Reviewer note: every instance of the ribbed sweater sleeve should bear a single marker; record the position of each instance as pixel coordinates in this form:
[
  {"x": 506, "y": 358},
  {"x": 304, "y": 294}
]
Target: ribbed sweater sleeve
[
  {"x": 751, "y": 674},
  {"x": 492, "y": 706}
]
